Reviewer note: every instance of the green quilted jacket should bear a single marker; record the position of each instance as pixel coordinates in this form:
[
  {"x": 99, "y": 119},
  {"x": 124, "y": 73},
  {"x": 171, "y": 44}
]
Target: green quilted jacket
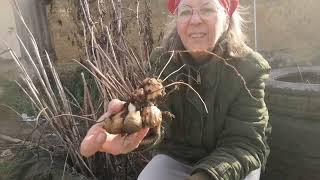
[{"x": 229, "y": 140}]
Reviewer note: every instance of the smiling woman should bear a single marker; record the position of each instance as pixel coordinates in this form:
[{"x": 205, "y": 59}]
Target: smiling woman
[
  {"x": 205, "y": 49},
  {"x": 200, "y": 27},
  {"x": 220, "y": 27},
  {"x": 229, "y": 142}
]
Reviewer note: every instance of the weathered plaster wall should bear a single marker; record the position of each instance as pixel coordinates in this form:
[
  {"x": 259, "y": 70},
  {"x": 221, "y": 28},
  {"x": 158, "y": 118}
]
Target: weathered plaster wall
[
  {"x": 67, "y": 37},
  {"x": 7, "y": 29},
  {"x": 65, "y": 34},
  {"x": 287, "y": 30}
]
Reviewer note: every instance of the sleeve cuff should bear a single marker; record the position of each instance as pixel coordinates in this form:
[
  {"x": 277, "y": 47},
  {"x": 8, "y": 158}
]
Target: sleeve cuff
[{"x": 202, "y": 167}]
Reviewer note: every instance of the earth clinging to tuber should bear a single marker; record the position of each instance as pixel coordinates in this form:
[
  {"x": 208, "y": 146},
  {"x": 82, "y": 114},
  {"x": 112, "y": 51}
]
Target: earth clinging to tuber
[{"x": 140, "y": 111}]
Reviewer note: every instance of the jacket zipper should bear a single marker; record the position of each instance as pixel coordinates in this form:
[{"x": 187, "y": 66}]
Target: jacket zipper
[{"x": 198, "y": 77}]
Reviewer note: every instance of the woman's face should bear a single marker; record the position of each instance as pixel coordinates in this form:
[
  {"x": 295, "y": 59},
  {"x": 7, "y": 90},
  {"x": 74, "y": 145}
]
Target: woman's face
[{"x": 200, "y": 23}]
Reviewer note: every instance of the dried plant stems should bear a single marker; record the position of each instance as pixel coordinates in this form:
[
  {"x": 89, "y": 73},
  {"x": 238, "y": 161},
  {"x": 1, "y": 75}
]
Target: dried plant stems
[{"x": 50, "y": 100}]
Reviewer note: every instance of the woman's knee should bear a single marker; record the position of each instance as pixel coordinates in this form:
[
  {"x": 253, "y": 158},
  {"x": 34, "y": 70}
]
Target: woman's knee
[
  {"x": 253, "y": 175},
  {"x": 164, "y": 167}
]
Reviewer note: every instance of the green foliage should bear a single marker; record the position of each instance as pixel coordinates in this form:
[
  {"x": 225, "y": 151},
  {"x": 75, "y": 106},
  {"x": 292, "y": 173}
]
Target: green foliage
[
  {"x": 4, "y": 170},
  {"x": 14, "y": 97},
  {"x": 75, "y": 85},
  {"x": 70, "y": 78}
]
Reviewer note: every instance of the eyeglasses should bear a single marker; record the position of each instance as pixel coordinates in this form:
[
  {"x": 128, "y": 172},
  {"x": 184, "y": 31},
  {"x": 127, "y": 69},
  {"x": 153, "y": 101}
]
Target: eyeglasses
[{"x": 185, "y": 12}]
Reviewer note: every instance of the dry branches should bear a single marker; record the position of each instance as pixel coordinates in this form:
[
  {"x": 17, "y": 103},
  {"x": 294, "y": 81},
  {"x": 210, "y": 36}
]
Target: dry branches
[
  {"x": 50, "y": 100},
  {"x": 118, "y": 69}
]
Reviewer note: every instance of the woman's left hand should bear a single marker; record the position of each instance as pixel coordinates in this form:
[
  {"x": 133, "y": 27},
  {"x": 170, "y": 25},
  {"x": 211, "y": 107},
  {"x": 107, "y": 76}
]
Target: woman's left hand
[
  {"x": 97, "y": 139},
  {"x": 199, "y": 176}
]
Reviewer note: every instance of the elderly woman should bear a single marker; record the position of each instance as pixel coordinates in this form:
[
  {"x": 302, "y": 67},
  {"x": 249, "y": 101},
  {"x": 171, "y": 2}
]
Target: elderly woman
[{"x": 227, "y": 139}]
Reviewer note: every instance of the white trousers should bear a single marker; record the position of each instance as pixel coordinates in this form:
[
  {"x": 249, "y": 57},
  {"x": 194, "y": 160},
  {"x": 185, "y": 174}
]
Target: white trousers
[{"x": 163, "y": 167}]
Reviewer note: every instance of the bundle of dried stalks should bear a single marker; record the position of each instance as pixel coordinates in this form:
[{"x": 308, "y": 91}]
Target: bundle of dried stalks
[
  {"x": 118, "y": 66},
  {"x": 51, "y": 101}
]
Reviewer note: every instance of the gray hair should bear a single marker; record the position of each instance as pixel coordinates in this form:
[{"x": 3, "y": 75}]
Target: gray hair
[{"x": 232, "y": 42}]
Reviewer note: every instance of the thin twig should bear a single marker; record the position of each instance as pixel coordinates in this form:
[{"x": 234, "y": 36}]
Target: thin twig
[
  {"x": 12, "y": 109},
  {"x": 236, "y": 72},
  {"x": 175, "y": 83},
  {"x": 72, "y": 115},
  {"x": 65, "y": 166},
  {"x": 172, "y": 54},
  {"x": 173, "y": 73}
]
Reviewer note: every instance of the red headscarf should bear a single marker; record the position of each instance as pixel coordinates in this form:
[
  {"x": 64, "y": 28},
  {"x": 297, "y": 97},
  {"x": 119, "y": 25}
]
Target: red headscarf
[{"x": 229, "y": 5}]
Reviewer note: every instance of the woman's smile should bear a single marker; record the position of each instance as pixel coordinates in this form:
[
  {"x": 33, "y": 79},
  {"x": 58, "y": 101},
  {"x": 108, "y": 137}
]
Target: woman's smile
[{"x": 197, "y": 35}]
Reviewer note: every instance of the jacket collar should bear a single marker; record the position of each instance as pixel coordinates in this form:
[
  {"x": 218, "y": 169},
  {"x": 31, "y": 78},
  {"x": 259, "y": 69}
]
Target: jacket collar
[{"x": 206, "y": 73}]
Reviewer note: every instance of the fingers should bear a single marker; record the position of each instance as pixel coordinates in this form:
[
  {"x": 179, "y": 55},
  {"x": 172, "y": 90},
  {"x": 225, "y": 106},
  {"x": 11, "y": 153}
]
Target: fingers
[
  {"x": 95, "y": 128},
  {"x": 141, "y": 134},
  {"x": 97, "y": 139},
  {"x": 94, "y": 139},
  {"x": 96, "y": 136},
  {"x": 113, "y": 144},
  {"x": 119, "y": 144},
  {"x": 132, "y": 141},
  {"x": 115, "y": 106}
]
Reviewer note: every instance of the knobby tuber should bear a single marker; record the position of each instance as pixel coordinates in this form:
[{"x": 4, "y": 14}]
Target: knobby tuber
[{"x": 140, "y": 111}]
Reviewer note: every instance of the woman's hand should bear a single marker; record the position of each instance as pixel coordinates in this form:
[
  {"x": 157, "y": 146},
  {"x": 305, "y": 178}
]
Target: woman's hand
[
  {"x": 199, "y": 176},
  {"x": 97, "y": 139}
]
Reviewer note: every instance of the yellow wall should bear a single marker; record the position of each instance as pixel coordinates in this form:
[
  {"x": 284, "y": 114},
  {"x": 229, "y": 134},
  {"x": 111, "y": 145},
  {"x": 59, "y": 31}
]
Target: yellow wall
[
  {"x": 287, "y": 30},
  {"x": 7, "y": 28},
  {"x": 64, "y": 32}
]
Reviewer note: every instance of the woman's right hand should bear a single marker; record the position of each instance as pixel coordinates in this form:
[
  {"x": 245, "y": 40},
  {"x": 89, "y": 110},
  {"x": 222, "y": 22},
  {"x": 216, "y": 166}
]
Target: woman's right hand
[{"x": 97, "y": 139}]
